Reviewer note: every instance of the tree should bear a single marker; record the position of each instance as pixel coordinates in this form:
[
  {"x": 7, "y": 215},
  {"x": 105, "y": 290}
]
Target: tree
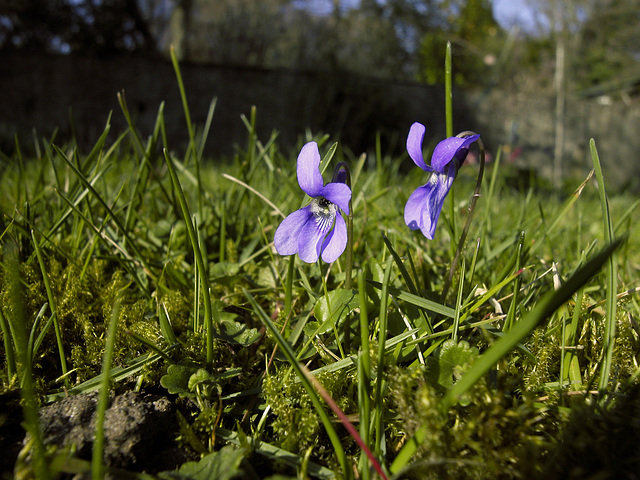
[
  {"x": 610, "y": 46},
  {"x": 103, "y": 26},
  {"x": 476, "y": 40},
  {"x": 372, "y": 39},
  {"x": 36, "y": 24}
]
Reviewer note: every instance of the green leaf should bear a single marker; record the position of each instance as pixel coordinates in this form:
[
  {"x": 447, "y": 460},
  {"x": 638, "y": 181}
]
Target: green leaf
[
  {"x": 238, "y": 333},
  {"x": 446, "y": 367},
  {"x": 334, "y": 307},
  {"x": 224, "y": 269},
  {"x": 225, "y": 464},
  {"x": 199, "y": 378},
  {"x": 177, "y": 379}
]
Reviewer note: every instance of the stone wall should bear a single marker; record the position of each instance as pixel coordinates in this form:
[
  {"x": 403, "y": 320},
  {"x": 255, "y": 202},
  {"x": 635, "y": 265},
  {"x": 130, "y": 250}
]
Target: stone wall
[
  {"x": 39, "y": 91},
  {"x": 526, "y": 123}
]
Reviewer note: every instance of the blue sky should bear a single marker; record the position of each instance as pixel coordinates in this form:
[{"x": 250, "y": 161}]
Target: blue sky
[
  {"x": 507, "y": 12},
  {"x": 514, "y": 12}
]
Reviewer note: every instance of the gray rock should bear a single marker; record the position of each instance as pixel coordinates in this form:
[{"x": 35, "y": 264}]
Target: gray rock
[{"x": 139, "y": 430}]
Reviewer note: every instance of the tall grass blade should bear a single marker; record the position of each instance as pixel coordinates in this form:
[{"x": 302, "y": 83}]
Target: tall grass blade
[
  {"x": 193, "y": 148},
  {"x": 364, "y": 372},
  {"x": 380, "y": 382},
  {"x": 197, "y": 253},
  {"x": 18, "y": 320},
  {"x": 54, "y": 309},
  {"x": 611, "y": 278},
  {"x": 295, "y": 365},
  {"x": 97, "y": 460}
]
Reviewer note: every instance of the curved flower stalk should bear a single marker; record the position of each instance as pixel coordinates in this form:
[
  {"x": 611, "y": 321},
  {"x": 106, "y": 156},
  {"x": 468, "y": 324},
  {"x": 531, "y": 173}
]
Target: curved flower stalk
[
  {"x": 425, "y": 203},
  {"x": 318, "y": 229}
]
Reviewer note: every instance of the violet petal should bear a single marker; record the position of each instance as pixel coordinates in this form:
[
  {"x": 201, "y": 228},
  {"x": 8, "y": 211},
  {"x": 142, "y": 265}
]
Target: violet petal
[
  {"x": 447, "y": 149},
  {"x": 308, "y": 170},
  {"x": 338, "y": 194},
  {"x": 311, "y": 237},
  {"x": 414, "y": 145},
  {"x": 425, "y": 204},
  {"x": 335, "y": 243},
  {"x": 287, "y": 235}
]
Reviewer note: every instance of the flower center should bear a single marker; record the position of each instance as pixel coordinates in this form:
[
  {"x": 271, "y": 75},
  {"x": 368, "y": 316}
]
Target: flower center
[{"x": 323, "y": 212}]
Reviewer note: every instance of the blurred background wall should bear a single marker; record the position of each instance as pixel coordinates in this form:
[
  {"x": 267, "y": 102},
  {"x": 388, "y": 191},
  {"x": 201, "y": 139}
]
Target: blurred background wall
[{"x": 538, "y": 77}]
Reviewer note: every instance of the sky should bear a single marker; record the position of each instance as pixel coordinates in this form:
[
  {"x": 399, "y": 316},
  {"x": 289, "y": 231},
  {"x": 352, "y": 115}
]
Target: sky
[{"x": 509, "y": 13}]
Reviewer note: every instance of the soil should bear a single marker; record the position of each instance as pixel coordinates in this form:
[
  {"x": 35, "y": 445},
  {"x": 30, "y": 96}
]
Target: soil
[{"x": 140, "y": 431}]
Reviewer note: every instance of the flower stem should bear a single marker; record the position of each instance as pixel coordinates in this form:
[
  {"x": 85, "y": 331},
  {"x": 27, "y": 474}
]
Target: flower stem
[
  {"x": 288, "y": 288},
  {"x": 342, "y": 173},
  {"x": 448, "y": 91},
  {"x": 472, "y": 205}
]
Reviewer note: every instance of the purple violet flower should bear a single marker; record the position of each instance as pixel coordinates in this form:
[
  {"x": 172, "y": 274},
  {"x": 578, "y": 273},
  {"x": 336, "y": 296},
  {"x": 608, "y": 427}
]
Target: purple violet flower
[
  {"x": 317, "y": 229},
  {"x": 425, "y": 203}
]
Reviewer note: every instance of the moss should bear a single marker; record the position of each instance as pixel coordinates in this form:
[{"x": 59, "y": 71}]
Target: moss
[
  {"x": 496, "y": 435},
  {"x": 599, "y": 441},
  {"x": 83, "y": 303},
  {"x": 296, "y": 426},
  {"x": 179, "y": 307}
]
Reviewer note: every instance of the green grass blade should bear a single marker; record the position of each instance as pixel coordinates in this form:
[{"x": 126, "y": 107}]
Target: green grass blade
[
  {"x": 207, "y": 126},
  {"x": 611, "y": 279},
  {"x": 54, "y": 309},
  {"x": 27, "y": 390},
  {"x": 193, "y": 148},
  {"x": 569, "y": 203},
  {"x": 418, "y": 301},
  {"x": 10, "y": 359},
  {"x": 35, "y": 340},
  {"x": 295, "y": 365},
  {"x": 380, "y": 382},
  {"x": 456, "y": 318},
  {"x": 364, "y": 373},
  {"x": 122, "y": 101},
  {"x": 165, "y": 325},
  {"x": 97, "y": 462},
  {"x": 116, "y": 374},
  {"x": 197, "y": 253}
]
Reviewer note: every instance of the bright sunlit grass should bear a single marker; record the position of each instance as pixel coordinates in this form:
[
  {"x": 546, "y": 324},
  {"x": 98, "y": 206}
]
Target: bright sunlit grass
[{"x": 157, "y": 267}]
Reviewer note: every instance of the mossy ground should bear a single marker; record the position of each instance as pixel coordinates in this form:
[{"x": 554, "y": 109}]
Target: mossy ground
[{"x": 109, "y": 228}]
